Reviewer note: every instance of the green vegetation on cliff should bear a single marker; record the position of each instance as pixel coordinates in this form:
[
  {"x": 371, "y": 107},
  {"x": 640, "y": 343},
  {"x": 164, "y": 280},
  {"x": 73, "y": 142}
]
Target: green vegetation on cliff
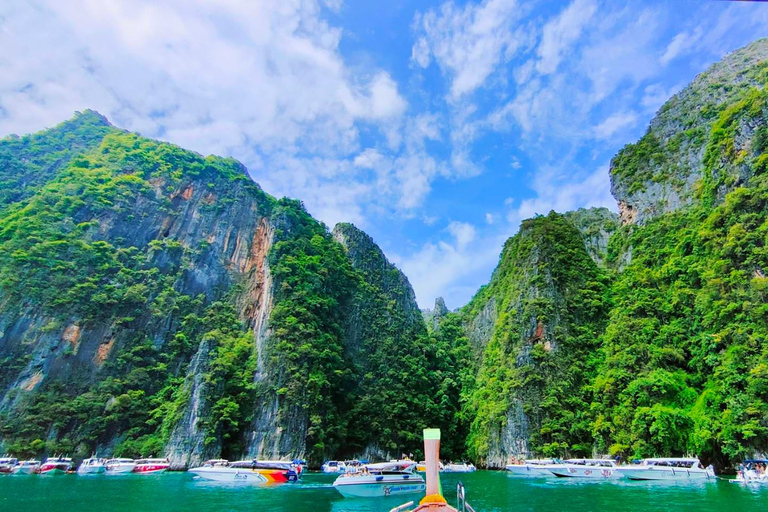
[
  {"x": 132, "y": 274},
  {"x": 535, "y": 370}
]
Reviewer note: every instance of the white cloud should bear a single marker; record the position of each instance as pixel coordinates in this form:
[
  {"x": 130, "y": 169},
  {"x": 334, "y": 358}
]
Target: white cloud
[
  {"x": 468, "y": 43},
  {"x": 561, "y": 191},
  {"x": 489, "y": 218},
  {"x": 561, "y": 32},
  {"x": 682, "y": 43},
  {"x": 452, "y": 268},
  {"x": 463, "y": 232},
  {"x": 615, "y": 123},
  {"x": 261, "y": 81},
  {"x": 655, "y": 95}
]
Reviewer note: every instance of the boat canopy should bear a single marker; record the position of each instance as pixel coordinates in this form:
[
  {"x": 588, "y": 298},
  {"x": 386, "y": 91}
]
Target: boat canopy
[
  {"x": 262, "y": 464},
  {"x": 592, "y": 462},
  {"x": 677, "y": 462},
  {"x": 406, "y": 466}
]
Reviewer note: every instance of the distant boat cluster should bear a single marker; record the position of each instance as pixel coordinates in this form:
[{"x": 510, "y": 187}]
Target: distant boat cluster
[
  {"x": 606, "y": 469},
  {"x": 93, "y": 466}
]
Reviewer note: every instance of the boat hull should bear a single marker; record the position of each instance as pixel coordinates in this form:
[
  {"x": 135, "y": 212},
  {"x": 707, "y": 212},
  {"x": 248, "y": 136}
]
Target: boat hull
[
  {"x": 529, "y": 471},
  {"x": 585, "y": 472},
  {"x": 25, "y": 470},
  {"x": 53, "y": 471},
  {"x": 230, "y": 475},
  {"x": 669, "y": 474},
  {"x": 91, "y": 470},
  {"x": 459, "y": 469},
  {"x": 123, "y": 469},
  {"x": 369, "y": 487},
  {"x": 150, "y": 470}
]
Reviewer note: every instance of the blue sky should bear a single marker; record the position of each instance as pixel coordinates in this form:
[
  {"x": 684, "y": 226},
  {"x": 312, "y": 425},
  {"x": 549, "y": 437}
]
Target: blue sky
[{"x": 434, "y": 126}]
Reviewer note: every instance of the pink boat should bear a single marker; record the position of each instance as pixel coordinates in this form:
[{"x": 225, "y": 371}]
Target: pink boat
[
  {"x": 56, "y": 466},
  {"x": 151, "y": 466}
]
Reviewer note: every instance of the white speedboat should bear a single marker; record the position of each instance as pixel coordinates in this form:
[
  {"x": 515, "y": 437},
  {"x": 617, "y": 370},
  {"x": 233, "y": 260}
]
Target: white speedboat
[
  {"x": 533, "y": 468},
  {"x": 92, "y": 466},
  {"x": 220, "y": 470},
  {"x": 56, "y": 466},
  {"x": 684, "y": 468},
  {"x": 586, "y": 468},
  {"x": 334, "y": 466},
  {"x": 120, "y": 466},
  {"x": 382, "y": 479},
  {"x": 26, "y": 467},
  {"x": 462, "y": 467},
  {"x": 151, "y": 466},
  {"x": 7, "y": 464},
  {"x": 752, "y": 472}
]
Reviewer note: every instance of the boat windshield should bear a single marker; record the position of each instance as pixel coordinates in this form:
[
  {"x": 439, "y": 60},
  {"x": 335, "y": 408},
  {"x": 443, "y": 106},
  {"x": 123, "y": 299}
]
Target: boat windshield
[
  {"x": 673, "y": 463},
  {"x": 389, "y": 468}
]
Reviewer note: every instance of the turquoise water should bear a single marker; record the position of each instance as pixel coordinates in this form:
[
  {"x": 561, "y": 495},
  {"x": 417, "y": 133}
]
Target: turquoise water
[{"x": 487, "y": 491}]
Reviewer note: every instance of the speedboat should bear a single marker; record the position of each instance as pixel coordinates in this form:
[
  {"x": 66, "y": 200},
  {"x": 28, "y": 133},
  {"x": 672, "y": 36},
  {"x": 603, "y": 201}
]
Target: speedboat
[
  {"x": 276, "y": 471},
  {"x": 752, "y": 472},
  {"x": 7, "y": 464},
  {"x": 151, "y": 466},
  {"x": 459, "y": 468},
  {"x": 533, "y": 468},
  {"x": 56, "y": 466},
  {"x": 382, "y": 479},
  {"x": 334, "y": 466},
  {"x": 684, "y": 468},
  {"x": 26, "y": 467},
  {"x": 220, "y": 470},
  {"x": 120, "y": 466},
  {"x": 586, "y": 468},
  {"x": 92, "y": 467}
]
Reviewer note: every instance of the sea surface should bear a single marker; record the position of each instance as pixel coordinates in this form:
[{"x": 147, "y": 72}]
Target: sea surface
[{"x": 487, "y": 491}]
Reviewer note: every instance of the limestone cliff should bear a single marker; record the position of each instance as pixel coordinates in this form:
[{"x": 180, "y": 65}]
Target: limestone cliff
[
  {"x": 533, "y": 327},
  {"x": 433, "y": 317},
  {"x": 658, "y": 174},
  {"x": 157, "y": 302}
]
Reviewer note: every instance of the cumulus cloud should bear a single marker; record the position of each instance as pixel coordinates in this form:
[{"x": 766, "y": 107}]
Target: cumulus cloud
[
  {"x": 615, "y": 123},
  {"x": 469, "y": 42},
  {"x": 264, "y": 82},
  {"x": 556, "y": 190},
  {"x": 451, "y": 267},
  {"x": 560, "y": 33}
]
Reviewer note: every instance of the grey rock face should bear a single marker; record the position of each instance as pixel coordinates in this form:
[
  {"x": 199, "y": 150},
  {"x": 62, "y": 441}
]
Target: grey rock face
[
  {"x": 368, "y": 257},
  {"x": 432, "y": 317},
  {"x": 659, "y": 174},
  {"x": 510, "y": 441},
  {"x": 596, "y": 226}
]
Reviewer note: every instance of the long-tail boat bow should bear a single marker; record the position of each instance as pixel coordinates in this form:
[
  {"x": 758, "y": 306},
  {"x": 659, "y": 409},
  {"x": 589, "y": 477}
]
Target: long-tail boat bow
[{"x": 434, "y": 500}]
